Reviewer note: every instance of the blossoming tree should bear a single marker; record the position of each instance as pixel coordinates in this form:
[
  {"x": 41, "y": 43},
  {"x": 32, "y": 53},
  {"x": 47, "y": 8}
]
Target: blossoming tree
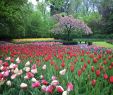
[{"x": 68, "y": 24}]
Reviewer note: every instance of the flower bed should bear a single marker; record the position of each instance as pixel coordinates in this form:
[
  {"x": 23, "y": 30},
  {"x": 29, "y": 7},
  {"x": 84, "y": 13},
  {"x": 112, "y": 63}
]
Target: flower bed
[{"x": 55, "y": 70}]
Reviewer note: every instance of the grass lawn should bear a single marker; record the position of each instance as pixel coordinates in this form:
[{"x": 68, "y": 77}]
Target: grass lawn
[{"x": 103, "y": 44}]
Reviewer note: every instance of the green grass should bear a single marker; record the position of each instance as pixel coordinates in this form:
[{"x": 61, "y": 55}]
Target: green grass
[{"x": 103, "y": 44}]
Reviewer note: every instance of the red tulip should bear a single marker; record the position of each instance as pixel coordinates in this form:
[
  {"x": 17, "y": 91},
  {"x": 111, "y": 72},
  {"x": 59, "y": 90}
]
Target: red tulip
[
  {"x": 79, "y": 72},
  {"x": 44, "y": 82},
  {"x": 112, "y": 64},
  {"x": 110, "y": 67},
  {"x": 88, "y": 61},
  {"x": 85, "y": 65},
  {"x": 92, "y": 68},
  {"x": 111, "y": 79},
  {"x": 72, "y": 68},
  {"x": 93, "y": 82},
  {"x": 105, "y": 76},
  {"x": 105, "y": 62},
  {"x": 95, "y": 60},
  {"x": 63, "y": 64},
  {"x": 59, "y": 89},
  {"x": 98, "y": 73}
]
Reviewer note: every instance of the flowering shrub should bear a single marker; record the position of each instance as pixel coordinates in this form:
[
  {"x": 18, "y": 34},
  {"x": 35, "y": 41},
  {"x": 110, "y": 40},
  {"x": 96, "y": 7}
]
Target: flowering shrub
[
  {"x": 68, "y": 24},
  {"x": 55, "y": 70}
]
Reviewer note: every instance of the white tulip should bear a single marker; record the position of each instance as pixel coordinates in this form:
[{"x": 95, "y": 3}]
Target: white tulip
[
  {"x": 65, "y": 93},
  {"x": 8, "y": 83},
  {"x": 44, "y": 67},
  {"x": 62, "y": 72},
  {"x": 27, "y": 64},
  {"x": 33, "y": 80},
  {"x": 34, "y": 71},
  {"x": 23, "y": 85}
]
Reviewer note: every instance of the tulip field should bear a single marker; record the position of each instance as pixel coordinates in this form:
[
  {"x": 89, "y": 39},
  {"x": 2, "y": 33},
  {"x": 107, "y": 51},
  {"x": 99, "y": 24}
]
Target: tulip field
[{"x": 51, "y": 68}]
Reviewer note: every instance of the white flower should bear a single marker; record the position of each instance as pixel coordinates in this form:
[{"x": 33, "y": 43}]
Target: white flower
[
  {"x": 27, "y": 69},
  {"x": 34, "y": 71},
  {"x": 16, "y": 71},
  {"x": 25, "y": 77},
  {"x": 8, "y": 83},
  {"x": 18, "y": 60},
  {"x": 65, "y": 93},
  {"x": 12, "y": 66},
  {"x": 27, "y": 63},
  {"x": 33, "y": 80},
  {"x": 8, "y": 58},
  {"x": 44, "y": 67},
  {"x": 23, "y": 85},
  {"x": 62, "y": 72}
]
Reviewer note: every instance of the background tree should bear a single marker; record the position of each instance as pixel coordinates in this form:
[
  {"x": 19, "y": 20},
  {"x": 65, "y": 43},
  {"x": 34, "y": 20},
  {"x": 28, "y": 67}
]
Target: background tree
[{"x": 67, "y": 25}]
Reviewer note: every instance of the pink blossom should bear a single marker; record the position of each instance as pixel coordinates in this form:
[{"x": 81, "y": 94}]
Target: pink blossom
[
  {"x": 53, "y": 77},
  {"x": 36, "y": 84},
  {"x": 43, "y": 88},
  {"x": 49, "y": 89},
  {"x": 55, "y": 82},
  {"x": 13, "y": 76},
  {"x": 29, "y": 75},
  {"x": 69, "y": 86},
  {"x": 6, "y": 73}
]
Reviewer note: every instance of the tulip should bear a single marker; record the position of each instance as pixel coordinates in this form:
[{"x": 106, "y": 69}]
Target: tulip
[
  {"x": 69, "y": 86},
  {"x": 27, "y": 69},
  {"x": 36, "y": 84},
  {"x": 79, "y": 72},
  {"x": 62, "y": 72},
  {"x": 55, "y": 82},
  {"x": 59, "y": 89},
  {"x": 6, "y": 73},
  {"x": 43, "y": 88},
  {"x": 34, "y": 71},
  {"x": 8, "y": 83},
  {"x": 49, "y": 89},
  {"x": 63, "y": 64},
  {"x": 33, "y": 80},
  {"x": 44, "y": 67},
  {"x": 93, "y": 82},
  {"x": 111, "y": 79},
  {"x": 33, "y": 66},
  {"x": 18, "y": 60},
  {"x": 44, "y": 82},
  {"x": 1, "y": 62},
  {"x": 13, "y": 76},
  {"x": 41, "y": 77},
  {"x": 27, "y": 64},
  {"x": 29, "y": 75},
  {"x": 7, "y": 58},
  {"x": 23, "y": 85},
  {"x": 98, "y": 73},
  {"x": 53, "y": 77},
  {"x": 105, "y": 76},
  {"x": 65, "y": 93},
  {"x": 6, "y": 64},
  {"x": 92, "y": 68}
]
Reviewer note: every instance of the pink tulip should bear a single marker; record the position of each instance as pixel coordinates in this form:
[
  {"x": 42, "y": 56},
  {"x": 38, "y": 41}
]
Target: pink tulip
[
  {"x": 13, "y": 76},
  {"x": 34, "y": 71},
  {"x": 69, "y": 86},
  {"x": 55, "y": 82},
  {"x": 33, "y": 66},
  {"x": 59, "y": 89},
  {"x": 36, "y": 84},
  {"x": 53, "y": 77},
  {"x": 1, "y": 62},
  {"x": 43, "y": 88},
  {"x": 29, "y": 75},
  {"x": 6, "y": 73},
  {"x": 49, "y": 89}
]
